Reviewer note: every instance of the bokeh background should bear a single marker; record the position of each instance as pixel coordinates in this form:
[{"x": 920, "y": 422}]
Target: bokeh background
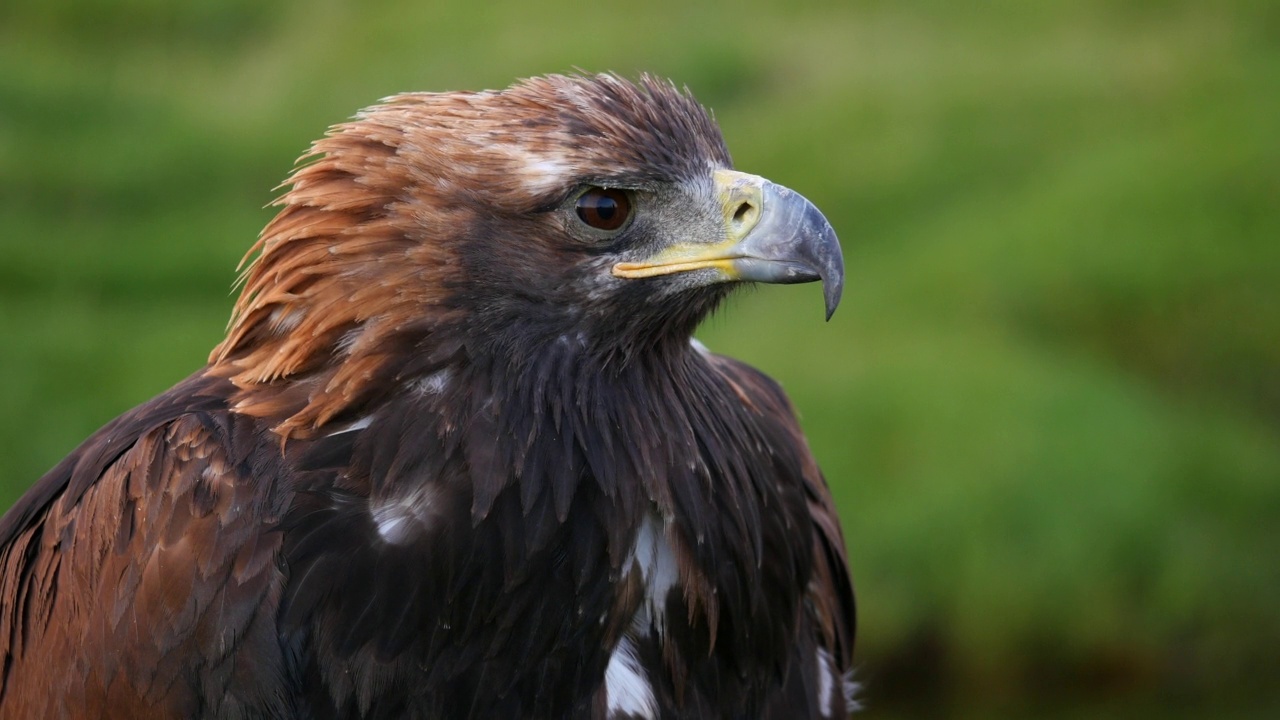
[{"x": 1049, "y": 406}]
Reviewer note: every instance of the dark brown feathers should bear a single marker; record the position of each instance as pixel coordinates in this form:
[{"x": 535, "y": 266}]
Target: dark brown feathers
[{"x": 446, "y": 464}]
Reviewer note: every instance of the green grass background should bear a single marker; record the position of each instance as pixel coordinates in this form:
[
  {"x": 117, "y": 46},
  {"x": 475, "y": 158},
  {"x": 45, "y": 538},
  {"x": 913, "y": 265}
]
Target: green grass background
[{"x": 1049, "y": 406}]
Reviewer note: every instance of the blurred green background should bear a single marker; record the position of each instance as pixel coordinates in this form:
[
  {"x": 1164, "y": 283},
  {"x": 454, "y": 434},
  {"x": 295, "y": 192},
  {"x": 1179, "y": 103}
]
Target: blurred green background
[{"x": 1049, "y": 406}]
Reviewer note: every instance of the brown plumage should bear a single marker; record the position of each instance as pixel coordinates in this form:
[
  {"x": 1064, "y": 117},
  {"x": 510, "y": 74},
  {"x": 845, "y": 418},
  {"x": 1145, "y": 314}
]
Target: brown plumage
[{"x": 457, "y": 456}]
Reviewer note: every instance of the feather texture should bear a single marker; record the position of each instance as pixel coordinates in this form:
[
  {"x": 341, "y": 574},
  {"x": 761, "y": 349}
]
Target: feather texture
[{"x": 444, "y": 464}]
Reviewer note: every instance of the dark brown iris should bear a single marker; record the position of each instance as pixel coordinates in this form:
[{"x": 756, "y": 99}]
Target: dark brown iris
[{"x": 604, "y": 208}]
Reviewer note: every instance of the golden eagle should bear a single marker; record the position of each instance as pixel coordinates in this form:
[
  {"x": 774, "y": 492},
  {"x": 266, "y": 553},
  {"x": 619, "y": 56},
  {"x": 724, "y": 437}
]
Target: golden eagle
[{"x": 458, "y": 456}]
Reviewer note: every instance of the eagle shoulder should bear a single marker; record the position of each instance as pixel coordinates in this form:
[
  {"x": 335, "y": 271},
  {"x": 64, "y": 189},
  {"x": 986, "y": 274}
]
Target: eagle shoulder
[
  {"x": 138, "y": 567},
  {"x": 829, "y": 608}
]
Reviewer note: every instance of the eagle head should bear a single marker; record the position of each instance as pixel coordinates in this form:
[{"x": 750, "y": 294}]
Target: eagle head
[{"x": 586, "y": 213}]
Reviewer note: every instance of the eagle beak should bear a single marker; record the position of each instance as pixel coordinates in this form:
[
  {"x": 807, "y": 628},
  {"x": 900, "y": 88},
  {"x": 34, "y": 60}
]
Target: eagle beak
[{"x": 773, "y": 235}]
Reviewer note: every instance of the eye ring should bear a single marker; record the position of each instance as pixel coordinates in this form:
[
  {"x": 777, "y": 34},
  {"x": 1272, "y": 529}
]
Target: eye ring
[{"x": 606, "y": 209}]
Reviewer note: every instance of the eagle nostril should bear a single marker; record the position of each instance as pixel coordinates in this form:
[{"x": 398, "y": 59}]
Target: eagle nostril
[{"x": 745, "y": 215}]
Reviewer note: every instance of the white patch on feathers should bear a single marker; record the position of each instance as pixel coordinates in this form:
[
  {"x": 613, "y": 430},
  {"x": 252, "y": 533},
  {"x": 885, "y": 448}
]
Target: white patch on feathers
[
  {"x": 827, "y": 677},
  {"x": 282, "y": 322},
  {"x": 360, "y": 424},
  {"x": 850, "y": 690},
  {"x": 399, "y": 519},
  {"x": 626, "y": 688},
  {"x": 435, "y": 383},
  {"x": 539, "y": 172},
  {"x": 656, "y": 561},
  {"x": 348, "y": 341},
  {"x": 578, "y": 338},
  {"x": 826, "y": 682}
]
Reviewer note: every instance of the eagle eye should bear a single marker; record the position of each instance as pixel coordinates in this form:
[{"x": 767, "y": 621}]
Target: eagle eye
[{"x": 604, "y": 208}]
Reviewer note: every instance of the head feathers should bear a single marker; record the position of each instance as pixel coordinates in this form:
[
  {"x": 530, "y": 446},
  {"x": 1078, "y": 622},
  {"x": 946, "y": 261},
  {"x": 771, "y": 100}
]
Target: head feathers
[{"x": 358, "y": 266}]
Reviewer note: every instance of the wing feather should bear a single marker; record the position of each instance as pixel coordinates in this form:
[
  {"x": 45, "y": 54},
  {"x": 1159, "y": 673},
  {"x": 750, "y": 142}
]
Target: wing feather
[{"x": 149, "y": 543}]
